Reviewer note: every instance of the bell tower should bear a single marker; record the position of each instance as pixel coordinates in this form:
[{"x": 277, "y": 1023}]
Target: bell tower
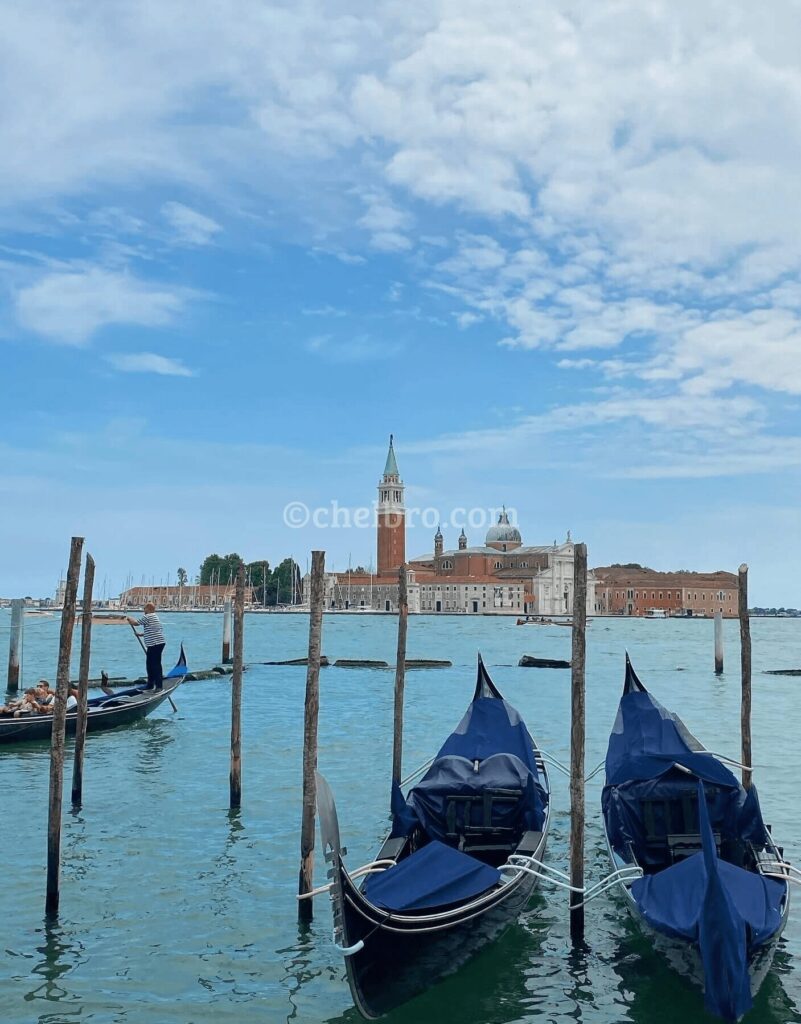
[
  {"x": 391, "y": 518},
  {"x": 438, "y": 542}
]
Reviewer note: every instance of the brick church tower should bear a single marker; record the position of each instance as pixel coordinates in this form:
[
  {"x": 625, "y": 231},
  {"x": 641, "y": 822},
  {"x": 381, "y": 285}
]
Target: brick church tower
[{"x": 391, "y": 525}]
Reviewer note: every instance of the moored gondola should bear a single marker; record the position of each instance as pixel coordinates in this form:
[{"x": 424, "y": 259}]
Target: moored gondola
[
  {"x": 459, "y": 866},
  {"x": 107, "y": 711},
  {"x": 714, "y": 894}
]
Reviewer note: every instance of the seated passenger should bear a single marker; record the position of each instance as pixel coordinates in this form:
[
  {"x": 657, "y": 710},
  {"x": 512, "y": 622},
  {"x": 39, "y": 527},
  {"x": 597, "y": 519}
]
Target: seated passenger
[
  {"x": 44, "y": 694},
  {"x": 26, "y": 706},
  {"x": 72, "y": 699}
]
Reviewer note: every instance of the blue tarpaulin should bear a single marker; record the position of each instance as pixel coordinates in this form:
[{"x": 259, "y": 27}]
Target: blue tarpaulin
[
  {"x": 434, "y": 876},
  {"x": 647, "y": 744},
  {"x": 484, "y": 776},
  {"x": 726, "y": 910}
]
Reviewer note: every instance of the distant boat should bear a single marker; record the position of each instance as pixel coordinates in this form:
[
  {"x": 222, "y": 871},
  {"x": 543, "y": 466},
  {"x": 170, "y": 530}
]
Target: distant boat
[
  {"x": 655, "y": 613},
  {"x": 38, "y": 613},
  {"x": 541, "y": 620}
]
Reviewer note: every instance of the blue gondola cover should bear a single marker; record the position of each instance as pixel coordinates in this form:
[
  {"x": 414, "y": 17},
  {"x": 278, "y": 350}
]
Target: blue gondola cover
[
  {"x": 726, "y": 910},
  {"x": 489, "y": 753},
  {"x": 647, "y": 744},
  {"x": 434, "y": 876}
]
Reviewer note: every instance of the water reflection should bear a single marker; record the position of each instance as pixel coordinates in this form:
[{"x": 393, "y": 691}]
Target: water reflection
[
  {"x": 60, "y": 953},
  {"x": 655, "y": 993},
  {"x": 156, "y": 735}
]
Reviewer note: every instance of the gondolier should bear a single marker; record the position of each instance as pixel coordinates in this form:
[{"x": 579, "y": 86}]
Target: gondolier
[{"x": 153, "y": 636}]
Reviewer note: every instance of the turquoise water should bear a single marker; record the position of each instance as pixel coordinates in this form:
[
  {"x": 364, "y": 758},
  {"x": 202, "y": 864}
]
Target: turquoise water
[{"x": 175, "y": 910}]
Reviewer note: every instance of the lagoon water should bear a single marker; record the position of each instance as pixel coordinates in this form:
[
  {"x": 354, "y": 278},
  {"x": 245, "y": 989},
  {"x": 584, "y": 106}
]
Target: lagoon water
[{"x": 175, "y": 910}]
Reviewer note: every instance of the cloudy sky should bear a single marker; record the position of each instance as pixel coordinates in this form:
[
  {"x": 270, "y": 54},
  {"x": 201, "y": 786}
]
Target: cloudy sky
[{"x": 554, "y": 248}]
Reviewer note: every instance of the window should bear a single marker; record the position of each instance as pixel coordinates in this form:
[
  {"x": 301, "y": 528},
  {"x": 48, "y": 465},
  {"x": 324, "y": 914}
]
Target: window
[
  {"x": 524, "y": 565},
  {"x": 499, "y": 565},
  {"x": 447, "y": 564}
]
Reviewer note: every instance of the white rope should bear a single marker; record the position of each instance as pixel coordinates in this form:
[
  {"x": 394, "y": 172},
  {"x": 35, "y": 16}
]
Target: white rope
[
  {"x": 730, "y": 760},
  {"x": 417, "y": 771},
  {"x": 595, "y": 771},
  {"x": 366, "y": 869},
  {"x": 552, "y": 760}
]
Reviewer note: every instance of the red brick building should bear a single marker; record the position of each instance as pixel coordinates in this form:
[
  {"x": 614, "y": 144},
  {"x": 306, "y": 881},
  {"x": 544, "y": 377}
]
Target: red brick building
[{"x": 639, "y": 591}]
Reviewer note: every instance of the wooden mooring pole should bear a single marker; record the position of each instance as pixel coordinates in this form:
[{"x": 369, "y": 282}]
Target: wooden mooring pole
[
  {"x": 577, "y": 731},
  {"x": 312, "y": 707},
  {"x": 718, "y": 643},
  {"x": 226, "y": 638},
  {"x": 745, "y": 667},
  {"x": 236, "y": 690},
  {"x": 59, "y": 728},
  {"x": 15, "y": 643},
  {"x": 400, "y": 677},
  {"x": 83, "y": 680}
]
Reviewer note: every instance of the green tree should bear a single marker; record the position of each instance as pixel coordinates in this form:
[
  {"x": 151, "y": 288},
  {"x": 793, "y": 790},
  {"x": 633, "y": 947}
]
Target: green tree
[
  {"x": 220, "y": 568},
  {"x": 182, "y": 577}
]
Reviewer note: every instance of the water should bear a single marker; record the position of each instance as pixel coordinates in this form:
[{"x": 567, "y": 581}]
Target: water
[{"x": 175, "y": 910}]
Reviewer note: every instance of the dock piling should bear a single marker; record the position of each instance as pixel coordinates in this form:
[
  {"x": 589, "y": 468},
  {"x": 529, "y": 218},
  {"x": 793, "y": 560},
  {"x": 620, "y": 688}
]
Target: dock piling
[
  {"x": 83, "y": 680},
  {"x": 226, "y": 637},
  {"x": 59, "y": 728},
  {"x": 400, "y": 676},
  {"x": 15, "y": 644},
  {"x": 236, "y": 689},
  {"x": 577, "y": 734},
  {"x": 311, "y": 713},
  {"x": 745, "y": 668},
  {"x": 718, "y": 643}
]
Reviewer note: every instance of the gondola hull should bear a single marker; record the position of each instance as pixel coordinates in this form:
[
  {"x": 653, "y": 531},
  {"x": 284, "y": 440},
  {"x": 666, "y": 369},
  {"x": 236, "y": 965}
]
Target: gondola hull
[
  {"x": 39, "y": 727},
  {"x": 403, "y": 957}
]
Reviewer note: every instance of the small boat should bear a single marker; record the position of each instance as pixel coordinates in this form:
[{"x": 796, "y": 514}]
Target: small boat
[
  {"x": 37, "y": 613},
  {"x": 458, "y": 867},
  {"x": 713, "y": 894},
  {"x": 111, "y": 709}
]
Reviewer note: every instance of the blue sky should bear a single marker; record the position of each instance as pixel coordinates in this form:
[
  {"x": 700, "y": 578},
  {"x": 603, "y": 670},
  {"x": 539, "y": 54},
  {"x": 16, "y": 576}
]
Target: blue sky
[{"x": 556, "y": 251}]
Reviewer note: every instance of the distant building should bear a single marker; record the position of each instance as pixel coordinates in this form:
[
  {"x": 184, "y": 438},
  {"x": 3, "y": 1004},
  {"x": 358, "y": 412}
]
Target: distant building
[
  {"x": 177, "y": 598},
  {"x": 500, "y": 576},
  {"x": 636, "y": 590}
]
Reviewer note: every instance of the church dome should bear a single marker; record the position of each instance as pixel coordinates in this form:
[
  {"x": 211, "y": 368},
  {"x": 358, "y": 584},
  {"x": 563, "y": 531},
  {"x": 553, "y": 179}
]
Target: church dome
[{"x": 503, "y": 533}]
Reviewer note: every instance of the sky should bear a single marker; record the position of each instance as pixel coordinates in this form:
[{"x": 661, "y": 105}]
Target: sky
[{"x": 553, "y": 248}]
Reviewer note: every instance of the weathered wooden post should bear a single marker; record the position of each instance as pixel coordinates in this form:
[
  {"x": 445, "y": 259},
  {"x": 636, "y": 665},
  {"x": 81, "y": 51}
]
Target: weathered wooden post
[
  {"x": 59, "y": 727},
  {"x": 400, "y": 676},
  {"x": 718, "y": 643},
  {"x": 305, "y": 883},
  {"x": 226, "y": 639},
  {"x": 236, "y": 689},
  {"x": 745, "y": 667},
  {"x": 83, "y": 680},
  {"x": 15, "y": 643},
  {"x": 577, "y": 730}
]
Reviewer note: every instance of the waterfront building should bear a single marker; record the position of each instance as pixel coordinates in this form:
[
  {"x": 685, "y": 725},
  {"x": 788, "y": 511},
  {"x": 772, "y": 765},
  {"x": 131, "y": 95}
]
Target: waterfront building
[
  {"x": 502, "y": 576},
  {"x": 183, "y": 598},
  {"x": 637, "y": 590}
]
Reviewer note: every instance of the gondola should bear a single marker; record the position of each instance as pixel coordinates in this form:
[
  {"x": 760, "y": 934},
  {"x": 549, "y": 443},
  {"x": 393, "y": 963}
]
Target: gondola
[
  {"x": 107, "y": 711},
  {"x": 458, "y": 867},
  {"x": 713, "y": 895}
]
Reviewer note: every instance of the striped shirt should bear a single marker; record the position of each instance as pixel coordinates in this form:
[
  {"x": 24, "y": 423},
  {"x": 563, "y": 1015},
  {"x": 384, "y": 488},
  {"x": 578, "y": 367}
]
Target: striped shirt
[{"x": 151, "y": 627}]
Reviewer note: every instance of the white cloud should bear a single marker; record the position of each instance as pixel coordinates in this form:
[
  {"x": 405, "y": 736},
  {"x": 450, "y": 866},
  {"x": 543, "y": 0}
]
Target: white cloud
[
  {"x": 360, "y": 348},
  {"x": 149, "y": 362},
  {"x": 191, "y": 227},
  {"x": 70, "y": 307}
]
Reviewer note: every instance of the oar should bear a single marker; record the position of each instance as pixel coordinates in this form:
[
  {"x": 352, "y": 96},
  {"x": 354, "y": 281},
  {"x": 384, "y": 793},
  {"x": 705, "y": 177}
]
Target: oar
[{"x": 139, "y": 638}]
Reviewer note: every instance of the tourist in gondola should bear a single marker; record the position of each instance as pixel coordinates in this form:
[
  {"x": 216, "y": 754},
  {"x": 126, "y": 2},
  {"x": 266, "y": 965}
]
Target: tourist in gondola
[
  {"x": 153, "y": 636},
  {"x": 44, "y": 695}
]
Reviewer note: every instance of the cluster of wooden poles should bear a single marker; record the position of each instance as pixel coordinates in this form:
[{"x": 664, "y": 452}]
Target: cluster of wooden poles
[
  {"x": 577, "y": 725},
  {"x": 235, "y": 617}
]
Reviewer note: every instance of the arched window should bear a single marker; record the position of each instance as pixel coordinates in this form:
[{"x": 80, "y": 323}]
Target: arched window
[
  {"x": 499, "y": 565},
  {"x": 447, "y": 564}
]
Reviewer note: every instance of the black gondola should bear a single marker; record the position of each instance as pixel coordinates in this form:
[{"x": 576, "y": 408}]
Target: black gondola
[
  {"x": 107, "y": 711},
  {"x": 713, "y": 895},
  {"x": 459, "y": 866}
]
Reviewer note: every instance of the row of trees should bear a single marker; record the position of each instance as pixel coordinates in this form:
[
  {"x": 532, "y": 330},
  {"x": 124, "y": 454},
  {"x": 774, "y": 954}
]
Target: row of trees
[{"x": 281, "y": 585}]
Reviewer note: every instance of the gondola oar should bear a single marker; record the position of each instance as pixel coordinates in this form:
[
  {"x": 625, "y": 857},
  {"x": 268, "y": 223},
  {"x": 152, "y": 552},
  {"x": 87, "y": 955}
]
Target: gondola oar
[{"x": 139, "y": 638}]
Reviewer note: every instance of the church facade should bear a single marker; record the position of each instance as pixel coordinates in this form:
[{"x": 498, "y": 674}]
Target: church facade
[{"x": 501, "y": 576}]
